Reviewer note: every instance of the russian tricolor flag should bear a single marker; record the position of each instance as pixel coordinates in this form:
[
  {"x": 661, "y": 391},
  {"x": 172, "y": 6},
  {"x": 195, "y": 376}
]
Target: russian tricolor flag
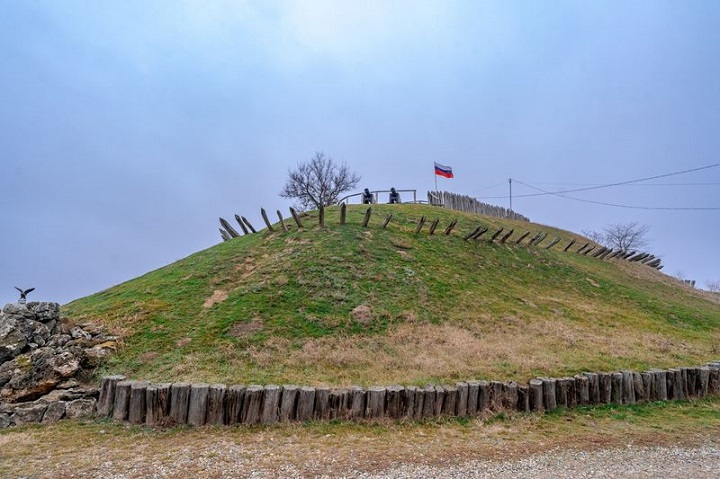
[{"x": 442, "y": 170}]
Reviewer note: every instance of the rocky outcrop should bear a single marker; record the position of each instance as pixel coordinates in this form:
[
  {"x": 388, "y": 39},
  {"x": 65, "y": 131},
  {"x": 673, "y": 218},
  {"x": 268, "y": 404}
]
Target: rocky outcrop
[{"x": 43, "y": 361}]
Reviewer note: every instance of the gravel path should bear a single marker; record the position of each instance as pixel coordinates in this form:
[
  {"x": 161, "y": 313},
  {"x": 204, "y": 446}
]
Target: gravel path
[
  {"x": 636, "y": 462},
  {"x": 633, "y": 461}
]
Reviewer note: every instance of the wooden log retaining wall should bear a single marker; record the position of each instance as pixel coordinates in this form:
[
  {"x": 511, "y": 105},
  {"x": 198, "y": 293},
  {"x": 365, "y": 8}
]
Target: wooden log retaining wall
[{"x": 140, "y": 402}]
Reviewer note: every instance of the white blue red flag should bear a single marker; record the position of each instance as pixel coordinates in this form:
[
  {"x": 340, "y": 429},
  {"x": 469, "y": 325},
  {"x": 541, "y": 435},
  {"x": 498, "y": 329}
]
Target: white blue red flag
[{"x": 443, "y": 170}]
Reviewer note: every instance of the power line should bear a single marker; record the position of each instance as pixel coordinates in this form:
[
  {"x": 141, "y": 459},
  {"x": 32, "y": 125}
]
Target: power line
[
  {"x": 663, "y": 208},
  {"x": 608, "y": 185}
]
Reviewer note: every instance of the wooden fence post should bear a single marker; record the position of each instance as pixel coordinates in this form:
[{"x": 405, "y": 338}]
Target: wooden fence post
[
  {"x": 265, "y": 218},
  {"x": 555, "y": 241},
  {"x": 472, "y": 233},
  {"x": 450, "y": 227},
  {"x": 366, "y": 219},
  {"x": 522, "y": 237},
  {"x": 242, "y": 225},
  {"x": 433, "y": 225},
  {"x": 477, "y": 235},
  {"x": 224, "y": 234},
  {"x": 231, "y": 231},
  {"x": 505, "y": 237},
  {"x": 387, "y": 220},
  {"x": 420, "y": 224},
  {"x": 343, "y": 213},
  {"x": 569, "y": 245},
  {"x": 247, "y": 223},
  {"x": 497, "y": 233},
  {"x": 282, "y": 221},
  {"x": 296, "y": 217}
]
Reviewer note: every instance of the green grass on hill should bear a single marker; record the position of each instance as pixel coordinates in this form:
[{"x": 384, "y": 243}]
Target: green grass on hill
[{"x": 277, "y": 308}]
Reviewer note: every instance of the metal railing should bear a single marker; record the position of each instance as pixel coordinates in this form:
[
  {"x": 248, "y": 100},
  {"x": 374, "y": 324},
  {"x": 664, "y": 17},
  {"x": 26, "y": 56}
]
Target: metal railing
[{"x": 376, "y": 196}]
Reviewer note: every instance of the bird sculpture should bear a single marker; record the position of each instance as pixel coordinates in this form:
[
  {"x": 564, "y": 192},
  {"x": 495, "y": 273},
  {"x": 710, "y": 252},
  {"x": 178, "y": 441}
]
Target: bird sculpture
[{"x": 23, "y": 294}]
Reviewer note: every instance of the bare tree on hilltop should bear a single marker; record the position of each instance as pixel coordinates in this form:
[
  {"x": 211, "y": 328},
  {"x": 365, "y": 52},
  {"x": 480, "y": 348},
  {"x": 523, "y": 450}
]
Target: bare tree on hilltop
[
  {"x": 318, "y": 182},
  {"x": 625, "y": 236}
]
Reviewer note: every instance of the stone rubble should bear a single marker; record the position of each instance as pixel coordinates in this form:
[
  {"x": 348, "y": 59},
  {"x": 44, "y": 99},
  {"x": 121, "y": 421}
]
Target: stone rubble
[{"x": 44, "y": 359}]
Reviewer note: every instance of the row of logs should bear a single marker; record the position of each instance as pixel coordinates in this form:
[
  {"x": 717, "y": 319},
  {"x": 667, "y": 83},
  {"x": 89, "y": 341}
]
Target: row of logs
[
  {"x": 227, "y": 232},
  {"x": 140, "y": 402}
]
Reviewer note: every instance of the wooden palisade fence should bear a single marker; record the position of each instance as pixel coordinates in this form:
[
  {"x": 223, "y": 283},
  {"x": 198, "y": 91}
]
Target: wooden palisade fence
[{"x": 140, "y": 402}]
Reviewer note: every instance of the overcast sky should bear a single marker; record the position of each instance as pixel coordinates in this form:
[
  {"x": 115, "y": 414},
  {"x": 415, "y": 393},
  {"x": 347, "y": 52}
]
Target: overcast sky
[{"x": 128, "y": 127}]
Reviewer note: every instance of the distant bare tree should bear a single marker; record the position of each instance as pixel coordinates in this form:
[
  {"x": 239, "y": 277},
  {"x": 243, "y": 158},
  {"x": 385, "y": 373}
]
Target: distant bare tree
[
  {"x": 625, "y": 236},
  {"x": 713, "y": 285},
  {"x": 595, "y": 236},
  {"x": 318, "y": 182}
]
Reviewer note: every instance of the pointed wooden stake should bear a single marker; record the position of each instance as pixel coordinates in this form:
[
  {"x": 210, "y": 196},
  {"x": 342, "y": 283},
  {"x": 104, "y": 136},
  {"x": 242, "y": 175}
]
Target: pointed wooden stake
[
  {"x": 366, "y": 220},
  {"x": 522, "y": 237},
  {"x": 296, "y": 217},
  {"x": 242, "y": 225},
  {"x": 420, "y": 224},
  {"x": 450, "y": 227},
  {"x": 231, "y": 231},
  {"x": 343, "y": 213},
  {"x": 282, "y": 221},
  {"x": 265, "y": 218},
  {"x": 247, "y": 223}
]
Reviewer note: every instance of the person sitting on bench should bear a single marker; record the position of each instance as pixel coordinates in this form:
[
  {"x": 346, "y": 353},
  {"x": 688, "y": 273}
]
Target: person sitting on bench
[
  {"x": 367, "y": 197},
  {"x": 394, "y": 196}
]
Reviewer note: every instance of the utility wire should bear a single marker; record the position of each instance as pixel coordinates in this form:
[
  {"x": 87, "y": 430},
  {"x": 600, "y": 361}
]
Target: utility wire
[
  {"x": 664, "y": 208},
  {"x": 605, "y": 185}
]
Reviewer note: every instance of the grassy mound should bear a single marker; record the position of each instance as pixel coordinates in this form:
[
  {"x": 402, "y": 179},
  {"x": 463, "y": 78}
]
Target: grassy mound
[{"x": 346, "y": 305}]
